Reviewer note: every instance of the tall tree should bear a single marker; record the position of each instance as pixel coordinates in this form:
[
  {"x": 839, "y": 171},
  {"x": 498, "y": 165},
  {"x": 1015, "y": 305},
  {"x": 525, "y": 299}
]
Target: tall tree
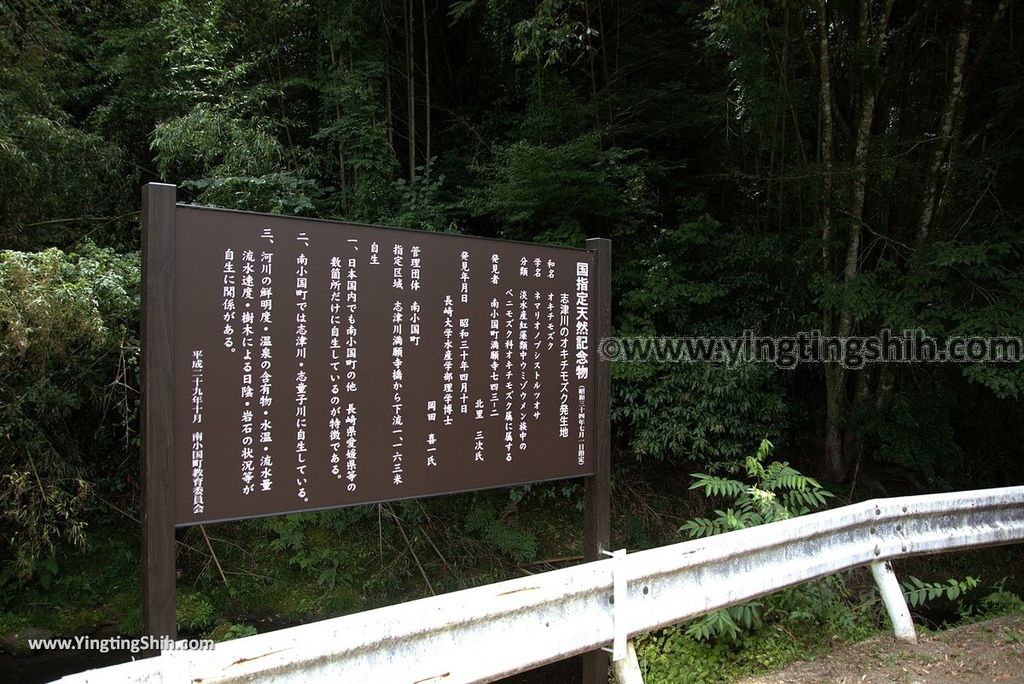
[{"x": 892, "y": 82}]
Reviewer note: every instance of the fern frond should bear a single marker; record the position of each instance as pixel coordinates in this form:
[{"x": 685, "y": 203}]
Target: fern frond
[
  {"x": 717, "y": 486},
  {"x": 700, "y": 527}
]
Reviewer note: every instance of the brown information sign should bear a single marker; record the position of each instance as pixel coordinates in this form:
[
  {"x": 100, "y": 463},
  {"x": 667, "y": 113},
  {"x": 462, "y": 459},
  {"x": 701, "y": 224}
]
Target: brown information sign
[{"x": 320, "y": 364}]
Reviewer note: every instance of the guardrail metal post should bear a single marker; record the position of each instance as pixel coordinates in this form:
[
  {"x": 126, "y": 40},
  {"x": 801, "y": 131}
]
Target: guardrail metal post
[
  {"x": 625, "y": 665},
  {"x": 895, "y": 602},
  {"x": 627, "y": 669},
  {"x": 597, "y": 501}
]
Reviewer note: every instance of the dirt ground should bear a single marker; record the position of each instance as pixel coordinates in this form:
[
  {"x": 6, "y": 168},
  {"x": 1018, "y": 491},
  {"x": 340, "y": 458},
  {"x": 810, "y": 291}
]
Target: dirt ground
[{"x": 991, "y": 651}]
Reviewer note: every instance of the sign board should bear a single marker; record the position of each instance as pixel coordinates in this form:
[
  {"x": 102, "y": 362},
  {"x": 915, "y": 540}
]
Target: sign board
[
  {"x": 295, "y": 364},
  {"x": 320, "y": 364}
]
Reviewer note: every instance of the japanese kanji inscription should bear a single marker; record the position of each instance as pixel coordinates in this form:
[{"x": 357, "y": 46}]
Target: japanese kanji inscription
[{"x": 320, "y": 364}]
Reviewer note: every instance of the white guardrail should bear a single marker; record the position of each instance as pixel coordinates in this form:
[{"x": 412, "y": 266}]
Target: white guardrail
[{"x": 485, "y": 633}]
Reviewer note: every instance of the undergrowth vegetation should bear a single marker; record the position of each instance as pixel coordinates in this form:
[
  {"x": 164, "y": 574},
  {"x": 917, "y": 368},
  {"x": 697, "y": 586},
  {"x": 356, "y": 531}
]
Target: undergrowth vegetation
[
  {"x": 795, "y": 623},
  {"x": 746, "y": 182},
  {"x": 246, "y": 577}
]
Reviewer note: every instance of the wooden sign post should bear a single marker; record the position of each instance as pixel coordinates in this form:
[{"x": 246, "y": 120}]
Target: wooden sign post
[{"x": 157, "y": 411}]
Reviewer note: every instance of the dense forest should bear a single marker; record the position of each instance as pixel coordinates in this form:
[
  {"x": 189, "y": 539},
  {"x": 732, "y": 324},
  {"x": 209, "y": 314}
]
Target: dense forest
[{"x": 777, "y": 166}]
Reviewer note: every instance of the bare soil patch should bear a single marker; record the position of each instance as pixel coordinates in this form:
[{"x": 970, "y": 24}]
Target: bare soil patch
[{"x": 991, "y": 651}]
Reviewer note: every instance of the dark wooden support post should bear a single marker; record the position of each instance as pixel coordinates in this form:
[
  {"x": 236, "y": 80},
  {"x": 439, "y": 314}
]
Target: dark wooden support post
[
  {"x": 597, "y": 504},
  {"x": 157, "y": 411}
]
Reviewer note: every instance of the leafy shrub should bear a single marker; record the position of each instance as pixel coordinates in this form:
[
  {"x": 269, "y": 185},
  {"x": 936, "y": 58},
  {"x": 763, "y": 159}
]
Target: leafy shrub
[
  {"x": 419, "y": 200},
  {"x": 958, "y": 601},
  {"x": 999, "y": 601},
  {"x": 753, "y": 637},
  {"x": 698, "y": 277},
  {"x": 273, "y": 193},
  {"x": 671, "y": 656},
  {"x": 319, "y": 543},
  {"x": 229, "y": 630},
  {"x": 68, "y": 351},
  {"x": 918, "y": 592},
  {"x": 502, "y": 534},
  {"x": 194, "y": 612},
  {"x": 778, "y": 492}
]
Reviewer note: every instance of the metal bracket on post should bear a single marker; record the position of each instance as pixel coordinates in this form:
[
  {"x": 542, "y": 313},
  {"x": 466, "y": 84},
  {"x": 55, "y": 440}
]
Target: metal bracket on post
[
  {"x": 895, "y": 603},
  {"x": 618, "y": 649},
  {"x": 625, "y": 665}
]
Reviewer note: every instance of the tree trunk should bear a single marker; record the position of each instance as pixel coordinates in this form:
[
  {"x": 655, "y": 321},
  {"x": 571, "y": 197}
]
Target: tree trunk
[
  {"x": 956, "y": 89},
  {"x": 341, "y": 149},
  {"x": 836, "y": 466},
  {"x": 593, "y": 76},
  {"x": 388, "y": 110},
  {"x": 955, "y": 143},
  {"x": 842, "y": 446},
  {"x": 426, "y": 81},
  {"x": 410, "y": 84},
  {"x": 869, "y": 94},
  {"x": 825, "y": 97}
]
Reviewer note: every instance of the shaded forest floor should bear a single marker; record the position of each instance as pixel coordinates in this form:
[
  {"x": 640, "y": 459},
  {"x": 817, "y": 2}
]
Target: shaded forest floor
[{"x": 989, "y": 651}]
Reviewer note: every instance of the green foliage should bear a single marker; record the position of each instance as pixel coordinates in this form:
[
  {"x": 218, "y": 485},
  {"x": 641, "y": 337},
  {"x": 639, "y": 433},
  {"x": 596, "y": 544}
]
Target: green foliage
[
  {"x": 699, "y": 414},
  {"x": 672, "y": 656},
  {"x": 776, "y": 492},
  {"x": 210, "y": 139},
  {"x": 1000, "y": 601},
  {"x": 728, "y": 623},
  {"x": 698, "y": 278},
  {"x": 420, "y": 204},
  {"x": 919, "y": 420},
  {"x": 229, "y": 630},
  {"x": 564, "y": 492},
  {"x": 194, "y": 612},
  {"x": 755, "y": 636},
  {"x": 274, "y": 193},
  {"x": 827, "y": 604},
  {"x": 554, "y": 34},
  {"x": 67, "y": 350},
  {"x": 963, "y": 601},
  {"x": 551, "y": 193},
  {"x": 56, "y": 176},
  {"x": 503, "y": 533},
  {"x": 356, "y": 151},
  {"x": 918, "y": 592},
  {"x": 319, "y": 544}
]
